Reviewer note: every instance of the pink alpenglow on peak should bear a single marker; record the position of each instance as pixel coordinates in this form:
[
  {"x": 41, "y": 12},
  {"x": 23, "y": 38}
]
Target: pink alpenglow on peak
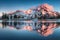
[{"x": 47, "y": 7}]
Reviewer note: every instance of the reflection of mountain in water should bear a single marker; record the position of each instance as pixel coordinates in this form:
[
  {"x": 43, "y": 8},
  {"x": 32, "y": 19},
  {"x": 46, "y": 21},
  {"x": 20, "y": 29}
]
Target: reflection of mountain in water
[{"x": 43, "y": 28}]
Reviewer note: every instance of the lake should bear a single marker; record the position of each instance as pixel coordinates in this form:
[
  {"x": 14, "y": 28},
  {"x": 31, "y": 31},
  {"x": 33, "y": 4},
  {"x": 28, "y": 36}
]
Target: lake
[{"x": 30, "y": 30}]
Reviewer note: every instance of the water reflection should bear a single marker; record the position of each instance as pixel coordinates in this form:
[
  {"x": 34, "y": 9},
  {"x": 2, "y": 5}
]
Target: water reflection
[{"x": 44, "y": 28}]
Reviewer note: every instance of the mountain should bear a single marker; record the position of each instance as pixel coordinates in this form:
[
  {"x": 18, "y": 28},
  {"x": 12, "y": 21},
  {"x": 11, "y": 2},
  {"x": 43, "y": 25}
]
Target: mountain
[{"x": 44, "y": 11}]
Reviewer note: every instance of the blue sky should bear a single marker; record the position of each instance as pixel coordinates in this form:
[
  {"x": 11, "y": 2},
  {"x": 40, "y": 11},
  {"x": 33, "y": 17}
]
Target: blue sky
[{"x": 12, "y": 5}]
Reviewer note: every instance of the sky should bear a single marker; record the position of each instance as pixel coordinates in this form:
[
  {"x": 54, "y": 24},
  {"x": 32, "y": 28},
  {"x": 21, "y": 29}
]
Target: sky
[{"x": 13, "y": 5}]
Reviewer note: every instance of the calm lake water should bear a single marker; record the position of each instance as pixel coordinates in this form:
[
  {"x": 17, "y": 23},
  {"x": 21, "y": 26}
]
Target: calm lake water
[{"x": 30, "y": 30}]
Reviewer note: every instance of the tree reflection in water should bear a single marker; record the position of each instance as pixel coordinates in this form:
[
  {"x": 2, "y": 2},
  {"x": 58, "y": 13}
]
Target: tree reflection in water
[{"x": 42, "y": 27}]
